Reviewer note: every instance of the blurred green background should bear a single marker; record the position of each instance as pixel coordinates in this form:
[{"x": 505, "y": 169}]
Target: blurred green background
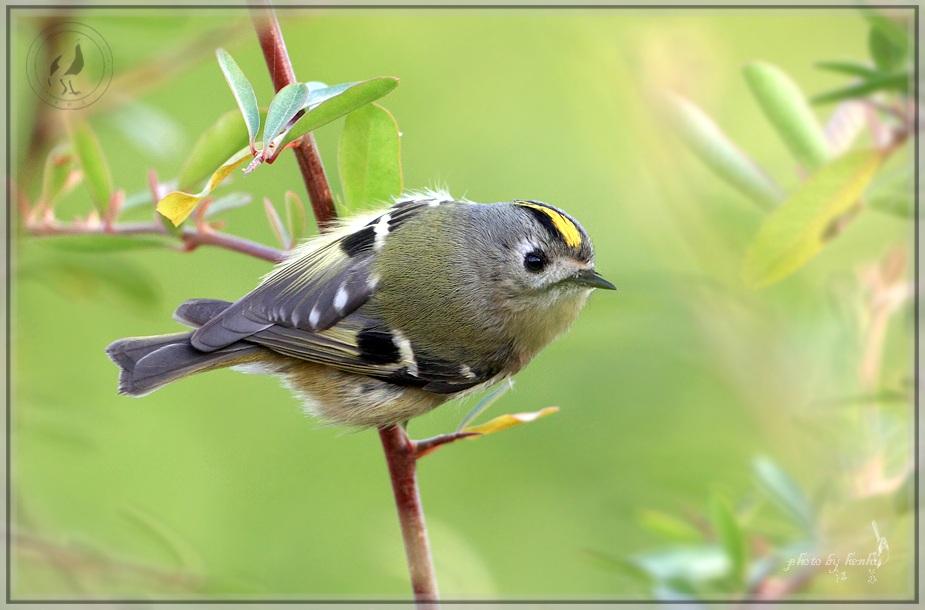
[{"x": 219, "y": 485}]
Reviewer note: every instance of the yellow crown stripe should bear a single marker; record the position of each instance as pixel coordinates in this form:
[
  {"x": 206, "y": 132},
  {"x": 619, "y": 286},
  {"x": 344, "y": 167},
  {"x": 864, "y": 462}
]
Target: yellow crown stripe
[{"x": 566, "y": 228}]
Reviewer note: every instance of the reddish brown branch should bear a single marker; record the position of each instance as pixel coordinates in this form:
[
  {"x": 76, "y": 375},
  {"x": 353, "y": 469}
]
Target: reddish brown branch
[
  {"x": 306, "y": 152},
  {"x": 429, "y": 445},
  {"x": 193, "y": 240},
  {"x": 189, "y": 238},
  {"x": 401, "y": 456}
]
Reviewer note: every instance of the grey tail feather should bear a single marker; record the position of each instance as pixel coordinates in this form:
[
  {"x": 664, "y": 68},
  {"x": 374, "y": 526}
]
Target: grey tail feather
[
  {"x": 148, "y": 363},
  {"x": 197, "y": 312}
]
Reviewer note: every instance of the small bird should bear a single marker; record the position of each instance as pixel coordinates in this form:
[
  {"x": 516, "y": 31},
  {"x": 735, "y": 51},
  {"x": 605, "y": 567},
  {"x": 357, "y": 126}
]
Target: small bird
[{"x": 392, "y": 313}]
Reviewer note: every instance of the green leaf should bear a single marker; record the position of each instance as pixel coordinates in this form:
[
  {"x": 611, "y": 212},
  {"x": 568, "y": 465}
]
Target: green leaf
[
  {"x": 786, "y": 108},
  {"x": 669, "y": 526},
  {"x": 60, "y": 174},
  {"x": 784, "y": 492},
  {"x": 105, "y": 243},
  {"x": 730, "y": 535},
  {"x": 296, "y": 218},
  {"x": 704, "y": 137},
  {"x": 888, "y": 42},
  {"x": 243, "y": 93},
  {"x": 230, "y": 201},
  {"x": 850, "y": 68},
  {"x": 890, "y": 82},
  {"x": 369, "y": 156},
  {"x": 93, "y": 162},
  {"x": 229, "y": 133},
  {"x": 325, "y": 107},
  {"x": 898, "y": 32},
  {"x": 216, "y": 144},
  {"x": 178, "y": 205},
  {"x": 319, "y": 93},
  {"x": 795, "y": 232},
  {"x": 289, "y": 101}
]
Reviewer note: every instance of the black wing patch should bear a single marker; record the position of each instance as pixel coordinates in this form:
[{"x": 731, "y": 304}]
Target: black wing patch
[
  {"x": 359, "y": 242},
  {"x": 377, "y": 346},
  {"x": 364, "y": 346},
  {"x": 440, "y": 376},
  {"x": 373, "y": 234}
]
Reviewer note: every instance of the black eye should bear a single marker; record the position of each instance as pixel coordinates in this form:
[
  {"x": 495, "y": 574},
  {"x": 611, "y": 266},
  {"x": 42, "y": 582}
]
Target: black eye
[{"x": 535, "y": 261}]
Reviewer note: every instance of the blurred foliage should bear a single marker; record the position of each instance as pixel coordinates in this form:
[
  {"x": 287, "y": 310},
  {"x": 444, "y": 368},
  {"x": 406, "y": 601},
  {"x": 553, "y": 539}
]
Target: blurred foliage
[
  {"x": 93, "y": 164},
  {"x": 722, "y": 562},
  {"x": 219, "y": 486}
]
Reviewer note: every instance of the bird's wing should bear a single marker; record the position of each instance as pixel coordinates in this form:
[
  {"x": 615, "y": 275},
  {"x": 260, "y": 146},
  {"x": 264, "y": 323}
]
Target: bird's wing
[
  {"x": 366, "y": 346},
  {"x": 307, "y": 309},
  {"x": 324, "y": 281},
  {"x": 55, "y": 64}
]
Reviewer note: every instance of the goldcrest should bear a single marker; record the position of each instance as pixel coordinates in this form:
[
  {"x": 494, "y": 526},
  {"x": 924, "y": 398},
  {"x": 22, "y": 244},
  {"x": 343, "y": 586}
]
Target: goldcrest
[{"x": 391, "y": 313}]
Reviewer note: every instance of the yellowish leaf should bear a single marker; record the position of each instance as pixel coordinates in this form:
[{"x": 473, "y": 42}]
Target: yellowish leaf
[
  {"x": 225, "y": 170},
  {"x": 178, "y": 205},
  {"x": 510, "y": 420},
  {"x": 798, "y": 229}
]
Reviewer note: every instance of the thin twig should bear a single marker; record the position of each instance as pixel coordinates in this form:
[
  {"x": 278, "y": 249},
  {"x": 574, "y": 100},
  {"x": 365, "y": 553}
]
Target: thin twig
[
  {"x": 190, "y": 238},
  {"x": 401, "y": 456},
  {"x": 306, "y": 152},
  {"x": 429, "y": 445}
]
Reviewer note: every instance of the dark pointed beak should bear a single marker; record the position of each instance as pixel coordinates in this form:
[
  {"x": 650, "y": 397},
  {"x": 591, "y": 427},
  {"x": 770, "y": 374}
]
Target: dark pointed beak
[{"x": 591, "y": 279}]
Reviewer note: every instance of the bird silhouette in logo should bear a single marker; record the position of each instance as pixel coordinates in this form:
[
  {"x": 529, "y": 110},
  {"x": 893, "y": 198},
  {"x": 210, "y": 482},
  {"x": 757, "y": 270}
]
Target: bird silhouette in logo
[{"x": 77, "y": 65}]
